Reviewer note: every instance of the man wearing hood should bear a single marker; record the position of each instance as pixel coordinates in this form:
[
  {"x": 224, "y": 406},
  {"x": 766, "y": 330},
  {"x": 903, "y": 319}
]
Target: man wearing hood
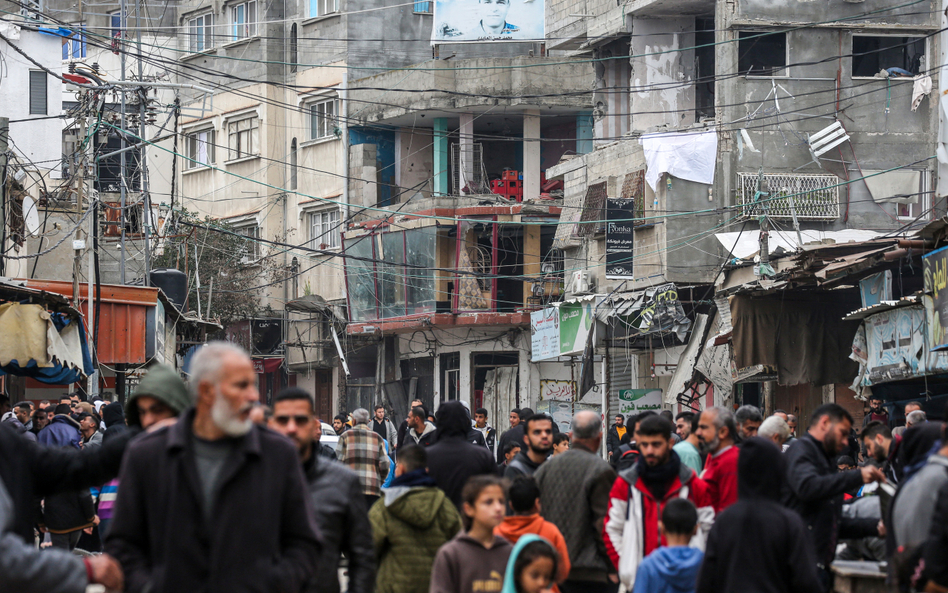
[
  {"x": 452, "y": 459},
  {"x": 757, "y": 544},
  {"x": 639, "y": 494},
  {"x": 336, "y": 492},
  {"x": 412, "y": 520},
  {"x": 160, "y": 395},
  {"x": 815, "y": 488}
]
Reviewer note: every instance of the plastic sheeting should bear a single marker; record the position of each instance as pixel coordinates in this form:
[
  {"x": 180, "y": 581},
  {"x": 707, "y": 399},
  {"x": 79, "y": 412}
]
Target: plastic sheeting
[
  {"x": 687, "y": 155},
  {"x": 48, "y": 347}
]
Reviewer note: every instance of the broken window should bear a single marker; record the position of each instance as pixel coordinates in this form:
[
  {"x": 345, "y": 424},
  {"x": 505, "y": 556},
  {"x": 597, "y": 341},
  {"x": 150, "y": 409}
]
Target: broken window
[
  {"x": 762, "y": 54},
  {"x": 391, "y": 274},
  {"x": 873, "y": 53}
]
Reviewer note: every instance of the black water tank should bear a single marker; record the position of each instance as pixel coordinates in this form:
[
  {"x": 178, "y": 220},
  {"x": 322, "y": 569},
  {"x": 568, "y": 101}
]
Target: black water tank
[{"x": 174, "y": 284}]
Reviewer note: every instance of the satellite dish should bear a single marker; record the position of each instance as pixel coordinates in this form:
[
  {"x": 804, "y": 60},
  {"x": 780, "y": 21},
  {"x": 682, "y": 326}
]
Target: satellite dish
[{"x": 30, "y": 215}]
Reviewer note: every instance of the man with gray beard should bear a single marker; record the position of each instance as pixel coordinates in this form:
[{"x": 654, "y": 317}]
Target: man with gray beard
[{"x": 214, "y": 502}]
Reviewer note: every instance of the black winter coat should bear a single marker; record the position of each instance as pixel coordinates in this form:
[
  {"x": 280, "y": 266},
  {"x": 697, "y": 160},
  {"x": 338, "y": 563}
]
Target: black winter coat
[
  {"x": 343, "y": 521},
  {"x": 756, "y": 544},
  {"x": 815, "y": 490},
  {"x": 263, "y": 536},
  {"x": 29, "y": 471},
  {"x": 452, "y": 460}
]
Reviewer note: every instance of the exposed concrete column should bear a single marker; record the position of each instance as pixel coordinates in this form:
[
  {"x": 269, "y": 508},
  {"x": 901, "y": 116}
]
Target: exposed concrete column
[
  {"x": 441, "y": 166},
  {"x": 531, "y": 154},
  {"x": 466, "y": 142}
]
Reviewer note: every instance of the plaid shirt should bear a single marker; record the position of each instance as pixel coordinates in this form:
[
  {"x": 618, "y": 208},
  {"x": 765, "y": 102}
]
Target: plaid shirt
[{"x": 363, "y": 450}]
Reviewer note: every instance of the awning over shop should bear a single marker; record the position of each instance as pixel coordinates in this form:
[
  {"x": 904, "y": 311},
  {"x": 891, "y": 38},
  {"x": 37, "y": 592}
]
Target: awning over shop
[
  {"x": 803, "y": 336},
  {"x": 49, "y": 347},
  {"x": 653, "y": 310}
]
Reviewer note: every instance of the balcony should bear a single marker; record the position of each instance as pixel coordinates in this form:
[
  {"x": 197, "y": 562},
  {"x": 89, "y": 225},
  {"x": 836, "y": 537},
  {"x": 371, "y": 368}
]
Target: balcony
[{"x": 472, "y": 272}]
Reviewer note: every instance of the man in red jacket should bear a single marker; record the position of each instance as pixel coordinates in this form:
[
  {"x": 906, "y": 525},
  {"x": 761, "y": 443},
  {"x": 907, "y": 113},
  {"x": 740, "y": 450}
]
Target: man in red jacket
[
  {"x": 640, "y": 493},
  {"x": 716, "y": 430}
]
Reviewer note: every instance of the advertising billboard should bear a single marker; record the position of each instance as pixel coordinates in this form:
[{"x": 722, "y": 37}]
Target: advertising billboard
[{"x": 463, "y": 21}]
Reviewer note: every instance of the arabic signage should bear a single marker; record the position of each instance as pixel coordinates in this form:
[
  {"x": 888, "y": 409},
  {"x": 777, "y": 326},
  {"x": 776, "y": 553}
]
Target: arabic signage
[
  {"x": 936, "y": 284},
  {"x": 620, "y": 213},
  {"x": 544, "y": 334},
  {"x": 894, "y": 347},
  {"x": 561, "y": 330},
  {"x": 458, "y": 21},
  {"x": 636, "y": 401},
  {"x": 576, "y": 321}
]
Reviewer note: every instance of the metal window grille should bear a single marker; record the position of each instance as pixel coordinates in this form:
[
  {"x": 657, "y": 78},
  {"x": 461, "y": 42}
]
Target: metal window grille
[
  {"x": 815, "y": 197},
  {"x": 423, "y": 7},
  {"x": 478, "y": 184}
]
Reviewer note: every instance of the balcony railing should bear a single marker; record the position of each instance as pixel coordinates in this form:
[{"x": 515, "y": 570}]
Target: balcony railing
[{"x": 781, "y": 196}]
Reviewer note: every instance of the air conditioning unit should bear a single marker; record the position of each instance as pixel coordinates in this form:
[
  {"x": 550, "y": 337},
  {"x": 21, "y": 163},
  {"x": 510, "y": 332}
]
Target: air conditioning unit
[{"x": 581, "y": 282}]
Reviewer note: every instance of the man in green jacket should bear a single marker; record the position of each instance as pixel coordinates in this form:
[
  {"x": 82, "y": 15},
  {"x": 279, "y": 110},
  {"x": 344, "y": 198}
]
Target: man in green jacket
[{"x": 409, "y": 523}]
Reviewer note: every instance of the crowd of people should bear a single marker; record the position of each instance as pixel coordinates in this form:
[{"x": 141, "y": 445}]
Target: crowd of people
[{"x": 197, "y": 487}]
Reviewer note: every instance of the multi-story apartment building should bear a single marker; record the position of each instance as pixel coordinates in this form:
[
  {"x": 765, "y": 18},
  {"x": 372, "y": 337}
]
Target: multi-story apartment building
[{"x": 710, "y": 116}]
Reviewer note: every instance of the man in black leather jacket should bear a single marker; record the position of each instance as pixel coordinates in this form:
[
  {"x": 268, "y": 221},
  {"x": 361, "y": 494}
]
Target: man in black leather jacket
[
  {"x": 815, "y": 487},
  {"x": 339, "y": 505}
]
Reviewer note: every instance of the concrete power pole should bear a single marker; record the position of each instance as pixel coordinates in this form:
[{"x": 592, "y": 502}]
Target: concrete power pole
[{"x": 4, "y": 143}]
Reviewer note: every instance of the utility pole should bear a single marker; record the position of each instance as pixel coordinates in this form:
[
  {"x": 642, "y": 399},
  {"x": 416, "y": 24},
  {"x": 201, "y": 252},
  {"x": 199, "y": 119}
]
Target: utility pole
[
  {"x": 143, "y": 162},
  {"x": 4, "y": 140},
  {"x": 78, "y": 244},
  {"x": 122, "y": 200}
]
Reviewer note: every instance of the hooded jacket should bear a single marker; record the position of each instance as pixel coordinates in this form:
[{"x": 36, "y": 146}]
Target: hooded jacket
[
  {"x": 669, "y": 570},
  {"x": 409, "y": 524},
  {"x": 510, "y": 578},
  {"x": 631, "y": 527},
  {"x": 464, "y": 565},
  {"x": 62, "y": 431},
  {"x": 757, "y": 545},
  {"x": 425, "y": 438},
  {"x": 516, "y": 527},
  {"x": 114, "y": 417},
  {"x": 452, "y": 460},
  {"x": 164, "y": 384}
]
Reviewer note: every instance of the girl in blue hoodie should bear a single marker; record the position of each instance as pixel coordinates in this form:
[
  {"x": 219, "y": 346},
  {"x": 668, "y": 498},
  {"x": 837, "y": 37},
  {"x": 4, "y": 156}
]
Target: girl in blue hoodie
[
  {"x": 673, "y": 568},
  {"x": 532, "y": 566}
]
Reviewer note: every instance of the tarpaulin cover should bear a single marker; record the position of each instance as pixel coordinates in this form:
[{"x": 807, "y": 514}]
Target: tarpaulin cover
[
  {"x": 686, "y": 155},
  {"x": 804, "y": 337},
  {"x": 48, "y": 347}
]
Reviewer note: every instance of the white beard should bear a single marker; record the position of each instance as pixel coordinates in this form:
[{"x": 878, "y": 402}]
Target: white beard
[{"x": 227, "y": 419}]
